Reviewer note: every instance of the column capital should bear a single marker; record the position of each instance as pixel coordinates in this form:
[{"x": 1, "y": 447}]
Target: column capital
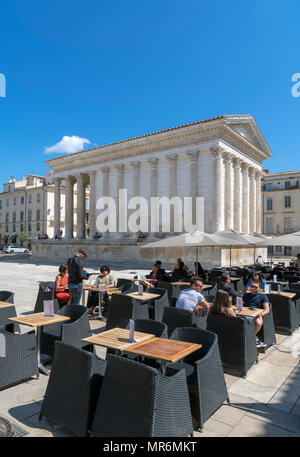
[
  {"x": 227, "y": 157},
  {"x": 104, "y": 170},
  {"x": 217, "y": 152},
  {"x": 236, "y": 163},
  {"x": 244, "y": 167},
  {"x": 152, "y": 163},
  {"x": 93, "y": 173},
  {"x": 57, "y": 179},
  {"x": 136, "y": 165},
  {"x": 172, "y": 159},
  {"x": 258, "y": 174},
  {"x": 193, "y": 156},
  {"x": 251, "y": 172},
  {"x": 120, "y": 169},
  {"x": 78, "y": 176}
]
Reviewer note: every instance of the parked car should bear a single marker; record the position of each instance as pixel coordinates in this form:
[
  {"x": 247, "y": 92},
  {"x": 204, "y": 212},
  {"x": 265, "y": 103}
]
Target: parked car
[{"x": 11, "y": 249}]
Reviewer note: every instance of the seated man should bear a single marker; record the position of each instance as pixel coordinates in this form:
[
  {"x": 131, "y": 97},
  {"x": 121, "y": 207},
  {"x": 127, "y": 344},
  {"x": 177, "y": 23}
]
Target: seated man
[
  {"x": 191, "y": 299},
  {"x": 179, "y": 273},
  {"x": 227, "y": 286},
  {"x": 255, "y": 299},
  {"x": 176, "y": 266}
]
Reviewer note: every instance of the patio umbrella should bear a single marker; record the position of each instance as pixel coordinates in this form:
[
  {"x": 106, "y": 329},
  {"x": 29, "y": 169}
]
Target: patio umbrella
[
  {"x": 291, "y": 239},
  {"x": 260, "y": 241},
  {"x": 233, "y": 238}
]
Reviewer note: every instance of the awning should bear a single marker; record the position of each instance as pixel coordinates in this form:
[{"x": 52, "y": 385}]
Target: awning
[
  {"x": 5, "y": 238},
  {"x": 13, "y": 238}
]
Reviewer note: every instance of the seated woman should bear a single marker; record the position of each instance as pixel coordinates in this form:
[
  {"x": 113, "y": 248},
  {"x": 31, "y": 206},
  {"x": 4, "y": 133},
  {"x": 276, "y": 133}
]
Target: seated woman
[
  {"x": 179, "y": 273},
  {"x": 61, "y": 286},
  {"x": 104, "y": 279},
  {"x": 221, "y": 304},
  {"x": 256, "y": 276}
]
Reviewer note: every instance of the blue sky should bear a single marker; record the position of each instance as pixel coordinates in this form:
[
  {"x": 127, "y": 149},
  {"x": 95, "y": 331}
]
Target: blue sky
[{"x": 105, "y": 71}]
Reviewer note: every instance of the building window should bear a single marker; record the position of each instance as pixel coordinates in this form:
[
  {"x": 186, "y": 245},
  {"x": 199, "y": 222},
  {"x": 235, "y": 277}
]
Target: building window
[
  {"x": 29, "y": 226},
  {"x": 15, "y": 201},
  {"x": 0, "y": 204},
  {"x": 14, "y": 217},
  {"x": 269, "y": 224},
  {"x": 7, "y": 202},
  {"x": 6, "y": 217},
  {"x": 6, "y": 228},
  {"x": 22, "y": 216},
  {"x": 14, "y": 227},
  {"x": 278, "y": 248},
  {"x": 22, "y": 200},
  {"x": 30, "y": 215},
  {"x": 269, "y": 204},
  {"x": 269, "y": 186},
  {"x": 287, "y": 184},
  {"x": 38, "y": 227},
  {"x": 38, "y": 214},
  {"x": 38, "y": 197},
  {"x": 30, "y": 198},
  {"x": 287, "y": 224},
  {"x": 287, "y": 201},
  {"x": 21, "y": 228}
]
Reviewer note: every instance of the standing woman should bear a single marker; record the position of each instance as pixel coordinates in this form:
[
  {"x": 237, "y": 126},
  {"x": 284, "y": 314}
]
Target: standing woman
[{"x": 61, "y": 286}]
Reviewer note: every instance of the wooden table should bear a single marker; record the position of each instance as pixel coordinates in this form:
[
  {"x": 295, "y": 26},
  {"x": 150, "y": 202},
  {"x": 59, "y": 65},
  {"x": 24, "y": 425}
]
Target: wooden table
[
  {"x": 164, "y": 350},
  {"x": 285, "y": 294},
  {"x": 117, "y": 338},
  {"x": 281, "y": 283},
  {"x": 38, "y": 320},
  {"x": 145, "y": 297},
  {"x": 246, "y": 311},
  {"x": 5, "y": 304},
  {"x": 101, "y": 288}
]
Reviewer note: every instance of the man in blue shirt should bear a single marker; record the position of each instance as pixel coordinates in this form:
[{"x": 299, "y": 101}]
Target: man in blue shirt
[
  {"x": 192, "y": 299},
  {"x": 254, "y": 299}
]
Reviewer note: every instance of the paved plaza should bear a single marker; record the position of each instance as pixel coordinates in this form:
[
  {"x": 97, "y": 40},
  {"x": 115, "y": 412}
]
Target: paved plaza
[{"x": 265, "y": 403}]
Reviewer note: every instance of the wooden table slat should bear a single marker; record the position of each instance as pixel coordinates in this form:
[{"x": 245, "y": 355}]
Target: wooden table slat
[
  {"x": 248, "y": 312},
  {"x": 5, "y": 304},
  {"x": 146, "y": 296},
  {"x": 38, "y": 319},
  {"x": 117, "y": 338}
]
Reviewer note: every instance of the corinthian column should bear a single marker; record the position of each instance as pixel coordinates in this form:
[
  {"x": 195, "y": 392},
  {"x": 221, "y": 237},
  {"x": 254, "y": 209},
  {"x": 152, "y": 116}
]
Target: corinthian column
[
  {"x": 80, "y": 207},
  {"x": 245, "y": 197},
  {"x": 252, "y": 200},
  {"x": 258, "y": 176},
  {"x": 92, "y": 207},
  {"x": 57, "y": 206},
  {"x": 237, "y": 195},
  {"x": 228, "y": 193},
  {"x": 172, "y": 160},
  {"x": 69, "y": 208},
  {"x": 105, "y": 189},
  {"x": 217, "y": 155},
  {"x": 120, "y": 205},
  {"x": 193, "y": 162},
  {"x": 153, "y": 191},
  {"x": 136, "y": 166}
]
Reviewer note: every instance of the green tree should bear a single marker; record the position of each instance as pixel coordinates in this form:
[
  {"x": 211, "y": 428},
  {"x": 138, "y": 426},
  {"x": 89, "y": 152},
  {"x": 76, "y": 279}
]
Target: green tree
[{"x": 23, "y": 237}]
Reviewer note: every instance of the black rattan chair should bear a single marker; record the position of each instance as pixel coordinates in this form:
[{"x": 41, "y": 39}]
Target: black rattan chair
[
  {"x": 122, "y": 308},
  {"x": 156, "y": 328},
  {"x": 138, "y": 401},
  {"x": 172, "y": 291},
  {"x": 156, "y": 309},
  {"x": 284, "y": 312},
  {"x": 7, "y": 312},
  {"x": 73, "y": 388},
  {"x": 267, "y": 332},
  {"x": 174, "y": 317},
  {"x": 70, "y": 332},
  {"x": 45, "y": 292},
  {"x": 18, "y": 360},
  {"x": 207, "y": 387},
  {"x": 236, "y": 339}
]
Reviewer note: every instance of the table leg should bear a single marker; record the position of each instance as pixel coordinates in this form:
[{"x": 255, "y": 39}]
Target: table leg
[
  {"x": 163, "y": 367},
  {"x": 99, "y": 305},
  {"x": 42, "y": 369},
  {"x": 83, "y": 297}
]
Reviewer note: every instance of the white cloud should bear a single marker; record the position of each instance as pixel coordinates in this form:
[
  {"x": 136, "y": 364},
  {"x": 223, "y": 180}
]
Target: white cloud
[{"x": 67, "y": 145}]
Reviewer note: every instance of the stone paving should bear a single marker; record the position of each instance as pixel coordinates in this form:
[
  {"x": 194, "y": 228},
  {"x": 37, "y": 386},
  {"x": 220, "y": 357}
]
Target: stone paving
[{"x": 265, "y": 403}]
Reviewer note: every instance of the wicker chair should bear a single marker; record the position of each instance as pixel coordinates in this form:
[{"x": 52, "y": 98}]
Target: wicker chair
[
  {"x": 46, "y": 292},
  {"x": 69, "y": 332},
  {"x": 122, "y": 308},
  {"x": 156, "y": 309},
  {"x": 10, "y": 311},
  {"x": 236, "y": 339},
  {"x": 284, "y": 312},
  {"x": 172, "y": 291},
  {"x": 156, "y": 328},
  {"x": 73, "y": 388},
  {"x": 19, "y": 360},
  {"x": 174, "y": 317},
  {"x": 207, "y": 387},
  {"x": 138, "y": 401},
  {"x": 267, "y": 331}
]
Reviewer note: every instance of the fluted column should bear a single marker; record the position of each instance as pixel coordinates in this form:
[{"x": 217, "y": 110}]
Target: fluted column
[
  {"x": 217, "y": 155},
  {"x": 172, "y": 160},
  {"x": 136, "y": 166},
  {"x": 92, "y": 206},
  {"x": 153, "y": 163},
  {"x": 120, "y": 209},
  {"x": 57, "y": 206},
  {"x": 228, "y": 193},
  {"x": 258, "y": 176},
  {"x": 237, "y": 195},
  {"x": 80, "y": 207},
  {"x": 245, "y": 197},
  {"x": 105, "y": 189},
  {"x": 193, "y": 162},
  {"x": 69, "y": 208},
  {"x": 252, "y": 218}
]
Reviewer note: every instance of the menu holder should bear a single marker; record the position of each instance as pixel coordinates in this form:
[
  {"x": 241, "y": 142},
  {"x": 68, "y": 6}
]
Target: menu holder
[
  {"x": 267, "y": 289},
  {"x": 275, "y": 278},
  {"x": 140, "y": 289},
  {"x": 48, "y": 308},
  {"x": 131, "y": 331},
  {"x": 239, "y": 303},
  {"x": 279, "y": 289}
]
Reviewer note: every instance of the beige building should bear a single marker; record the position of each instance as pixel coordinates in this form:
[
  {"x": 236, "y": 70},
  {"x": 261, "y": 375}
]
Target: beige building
[
  {"x": 218, "y": 159},
  {"x": 280, "y": 206}
]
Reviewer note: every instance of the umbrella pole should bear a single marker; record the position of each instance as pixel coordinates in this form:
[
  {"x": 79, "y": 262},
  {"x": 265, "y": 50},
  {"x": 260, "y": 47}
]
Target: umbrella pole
[
  {"x": 254, "y": 255},
  {"x": 230, "y": 261}
]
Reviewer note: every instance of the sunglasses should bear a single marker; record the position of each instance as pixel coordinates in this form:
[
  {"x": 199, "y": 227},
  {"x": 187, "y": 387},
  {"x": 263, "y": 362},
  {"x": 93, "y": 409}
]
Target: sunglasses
[{"x": 253, "y": 287}]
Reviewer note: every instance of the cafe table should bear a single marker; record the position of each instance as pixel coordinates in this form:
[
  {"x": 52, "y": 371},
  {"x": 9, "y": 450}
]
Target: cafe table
[
  {"x": 290, "y": 295},
  {"x": 145, "y": 297},
  {"x": 117, "y": 338},
  {"x": 281, "y": 283},
  {"x": 101, "y": 288},
  {"x": 5, "y": 304},
  {"x": 247, "y": 311},
  {"x": 37, "y": 321},
  {"x": 163, "y": 349}
]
